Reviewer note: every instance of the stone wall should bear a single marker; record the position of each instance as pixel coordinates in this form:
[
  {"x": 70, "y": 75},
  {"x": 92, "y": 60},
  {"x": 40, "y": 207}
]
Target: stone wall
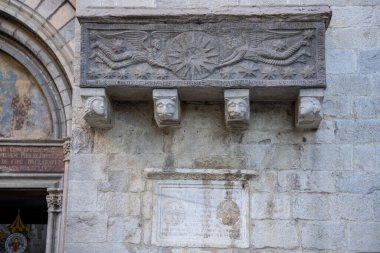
[{"x": 316, "y": 191}]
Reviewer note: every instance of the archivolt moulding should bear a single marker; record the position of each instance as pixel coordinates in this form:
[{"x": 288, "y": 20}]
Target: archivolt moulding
[{"x": 35, "y": 56}]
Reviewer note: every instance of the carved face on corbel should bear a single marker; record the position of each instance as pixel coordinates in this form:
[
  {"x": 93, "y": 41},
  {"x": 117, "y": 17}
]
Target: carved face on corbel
[
  {"x": 166, "y": 107},
  {"x": 237, "y": 108},
  {"x": 309, "y": 108},
  {"x": 95, "y": 105}
]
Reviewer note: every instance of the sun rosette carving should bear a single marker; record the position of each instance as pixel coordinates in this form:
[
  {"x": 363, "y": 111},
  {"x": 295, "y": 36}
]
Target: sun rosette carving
[{"x": 193, "y": 55}]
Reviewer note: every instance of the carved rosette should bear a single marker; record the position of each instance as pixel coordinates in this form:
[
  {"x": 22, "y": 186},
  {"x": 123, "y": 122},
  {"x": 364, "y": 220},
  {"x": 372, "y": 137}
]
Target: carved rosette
[
  {"x": 193, "y": 55},
  {"x": 54, "y": 200}
]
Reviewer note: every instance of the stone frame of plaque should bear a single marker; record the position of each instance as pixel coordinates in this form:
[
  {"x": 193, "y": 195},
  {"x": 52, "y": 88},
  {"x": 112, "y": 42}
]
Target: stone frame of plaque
[
  {"x": 200, "y": 207},
  {"x": 274, "y": 52}
]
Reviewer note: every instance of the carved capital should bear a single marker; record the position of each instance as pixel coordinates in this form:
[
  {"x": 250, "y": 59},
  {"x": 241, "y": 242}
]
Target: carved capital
[
  {"x": 308, "y": 108},
  {"x": 66, "y": 149},
  {"x": 54, "y": 200},
  {"x": 236, "y": 108},
  {"x": 167, "y": 109},
  {"x": 97, "y": 108}
]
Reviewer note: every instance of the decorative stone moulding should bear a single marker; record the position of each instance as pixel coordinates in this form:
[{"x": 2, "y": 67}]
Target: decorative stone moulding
[
  {"x": 273, "y": 52},
  {"x": 167, "y": 109},
  {"x": 97, "y": 107},
  {"x": 199, "y": 174}
]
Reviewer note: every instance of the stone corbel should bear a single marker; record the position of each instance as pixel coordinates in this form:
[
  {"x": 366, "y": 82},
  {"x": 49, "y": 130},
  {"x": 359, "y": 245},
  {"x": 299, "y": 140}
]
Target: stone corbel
[
  {"x": 236, "y": 108},
  {"x": 98, "y": 111},
  {"x": 308, "y": 108},
  {"x": 167, "y": 109}
]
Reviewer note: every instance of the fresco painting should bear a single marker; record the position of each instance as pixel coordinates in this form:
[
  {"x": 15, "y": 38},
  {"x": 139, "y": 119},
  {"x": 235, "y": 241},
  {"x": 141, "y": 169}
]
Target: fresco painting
[{"x": 24, "y": 112}]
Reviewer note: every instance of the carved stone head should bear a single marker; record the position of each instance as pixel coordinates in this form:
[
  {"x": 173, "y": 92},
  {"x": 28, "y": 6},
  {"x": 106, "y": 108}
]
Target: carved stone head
[
  {"x": 95, "y": 105},
  {"x": 309, "y": 108},
  {"x": 237, "y": 108},
  {"x": 156, "y": 44},
  {"x": 166, "y": 108}
]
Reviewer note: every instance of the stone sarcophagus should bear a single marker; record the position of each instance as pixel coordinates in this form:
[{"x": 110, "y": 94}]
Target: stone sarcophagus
[{"x": 272, "y": 52}]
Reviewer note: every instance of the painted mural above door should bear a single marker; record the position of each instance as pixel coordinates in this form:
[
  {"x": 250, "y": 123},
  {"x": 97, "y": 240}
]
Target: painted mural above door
[{"x": 24, "y": 111}]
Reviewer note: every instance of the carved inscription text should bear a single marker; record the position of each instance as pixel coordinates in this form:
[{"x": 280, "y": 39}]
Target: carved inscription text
[
  {"x": 31, "y": 159},
  {"x": 192, "y": 213}
]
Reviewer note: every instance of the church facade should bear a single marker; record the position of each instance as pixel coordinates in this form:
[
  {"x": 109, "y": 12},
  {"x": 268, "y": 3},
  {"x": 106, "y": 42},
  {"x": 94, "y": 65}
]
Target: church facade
[{"x": 189, "y": 127}]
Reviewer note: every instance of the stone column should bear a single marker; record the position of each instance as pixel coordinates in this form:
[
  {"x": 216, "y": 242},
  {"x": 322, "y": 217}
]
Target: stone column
[
  {"x": 61, "y": 228},
  {"x": 54, "y": 203}
]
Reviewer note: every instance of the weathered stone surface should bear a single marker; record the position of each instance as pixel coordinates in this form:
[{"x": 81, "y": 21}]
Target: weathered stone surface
[
  {"x": 274, "y": 234},
  {"x": 369, "y": 60},
  {"x": 357, "y": 182},
  {"x": 86, "y": 227},
  {"x": 119, "y": 204},
  {"x": 88, "y": 167},
  {"x": 323, "y": 235},
  {"x": 306, "y": 181},
  {"x": 364, "y": 237},
  {"x": 124, "y": 229},
  {"x": 271, "y": 206},
  {"x": 190, "y": 213},
  {"x": 327, "y": 157},
  {"x": 84, "y": 196},
  {"x": 117, "y": 182},
  {"x": 311, "y": 207},
  {"x": 353, "y": 207},
  {"x": 339, "y": 61},
  {"x": 95, "y": 247}
]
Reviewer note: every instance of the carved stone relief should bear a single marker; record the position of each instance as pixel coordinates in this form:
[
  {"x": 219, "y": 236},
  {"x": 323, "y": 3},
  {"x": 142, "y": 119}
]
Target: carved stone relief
[
  {"x": 308, "y": 109},
  {"x": 54, "y": 199},
  {"x": 236, "y": 108},
  {"x": 97, "y": 108},
  {"x": 272, "y": 56},
  {"x": 150, "y": 54},
  {"x": 208, "y": 51},
  {"x": 66, "y": 149},
  {"x": 167, "y": 109}
]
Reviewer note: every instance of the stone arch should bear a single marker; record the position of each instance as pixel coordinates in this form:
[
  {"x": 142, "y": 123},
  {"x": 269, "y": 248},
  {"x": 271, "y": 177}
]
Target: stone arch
[{"x": 34, "y": 43}]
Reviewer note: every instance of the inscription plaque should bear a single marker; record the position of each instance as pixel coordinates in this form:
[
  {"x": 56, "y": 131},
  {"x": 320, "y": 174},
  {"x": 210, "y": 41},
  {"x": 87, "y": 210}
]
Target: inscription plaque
[
  {"x": 197, "y": 213},
  {"x": 31, "y": 159}
]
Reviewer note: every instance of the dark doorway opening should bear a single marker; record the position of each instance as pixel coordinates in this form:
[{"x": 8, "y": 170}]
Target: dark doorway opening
[
  {"x": 30, "y": 202},
  {"x": 23, "y": 220}
]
